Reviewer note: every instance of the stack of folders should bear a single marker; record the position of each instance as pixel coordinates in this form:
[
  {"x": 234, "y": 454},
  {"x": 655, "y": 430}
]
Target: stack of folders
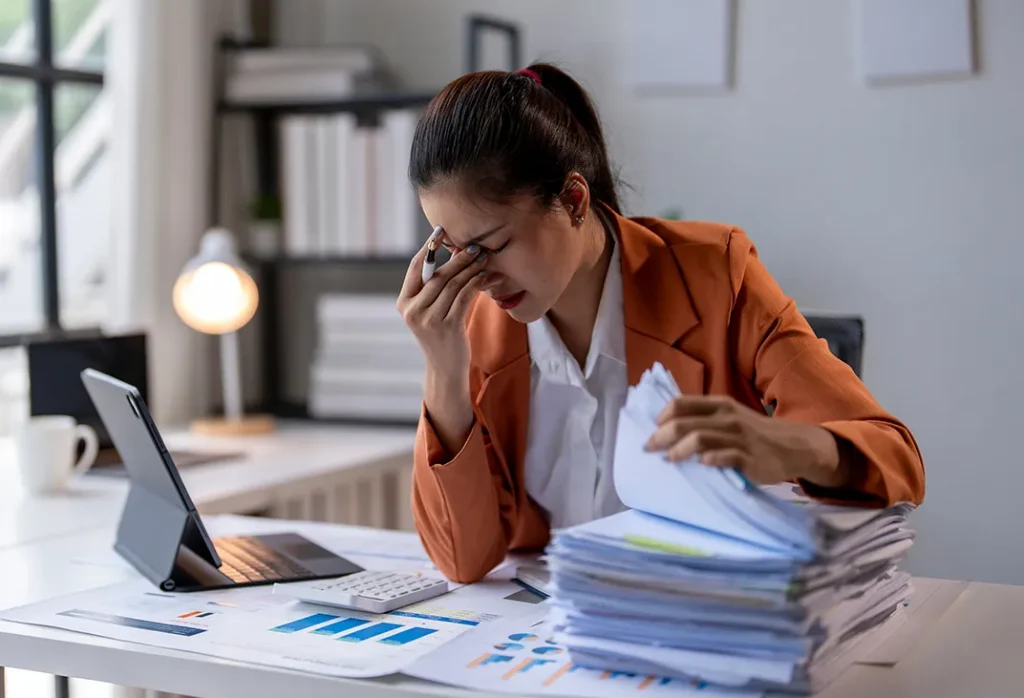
[
  {"x": 367, "y": 364},
  {"x": 708, "y": 577}
]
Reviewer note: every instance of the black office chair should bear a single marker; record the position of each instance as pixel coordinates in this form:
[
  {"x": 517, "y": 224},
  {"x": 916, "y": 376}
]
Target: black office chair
[
  {"x": 845, "y": 337},
  {"x": 844, "y": 334}
]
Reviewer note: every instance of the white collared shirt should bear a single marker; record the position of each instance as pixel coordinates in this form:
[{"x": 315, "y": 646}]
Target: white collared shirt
[{"x": 574, "y": 413}]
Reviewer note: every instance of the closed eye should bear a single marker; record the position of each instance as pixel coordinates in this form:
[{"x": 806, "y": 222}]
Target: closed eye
[
  {"x": 497, "y": 249},
  {"x": 452, "y": 249}
]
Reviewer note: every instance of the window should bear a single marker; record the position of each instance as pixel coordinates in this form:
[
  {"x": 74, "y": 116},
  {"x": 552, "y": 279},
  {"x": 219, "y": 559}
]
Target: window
[{"x": 54, "y": 172}]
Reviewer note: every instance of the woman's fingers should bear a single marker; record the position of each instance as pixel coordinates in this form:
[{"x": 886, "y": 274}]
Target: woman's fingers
[
  {"x": 460, "y": 306},
  {"x": 441, "y": 307},
  {"x": 727, "y": 458},
  {"x": 414, "y": 274},
  {"x": 457, "y": 270},
  {"x": 696, "y": 405},
  {"x": 676, "y": 429},
  {"x": 702, "y": 441}
]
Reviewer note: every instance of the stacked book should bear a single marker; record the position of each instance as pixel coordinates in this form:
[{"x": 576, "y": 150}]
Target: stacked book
[
  {"x": 345, "y": 185},
  {"x": 710, "y": 578},
  {"x": 367, "y": 364},
  {"x": 256, "y": 76}
]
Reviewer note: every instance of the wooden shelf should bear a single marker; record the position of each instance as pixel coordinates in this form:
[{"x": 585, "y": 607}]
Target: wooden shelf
[
  {"x": 368, "y": 102},
  {"x": 327, "y": 260}
]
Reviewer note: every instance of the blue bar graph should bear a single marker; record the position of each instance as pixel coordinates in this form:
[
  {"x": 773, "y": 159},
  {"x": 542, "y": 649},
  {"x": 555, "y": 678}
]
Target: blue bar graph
[
  {"x": 485, "y": 659},
  {"x": 407, "y": 636},
  {"x": 340, "y": 627},
  {"x": 370, "y": 632},
  {"x": 303, "y": 623}
]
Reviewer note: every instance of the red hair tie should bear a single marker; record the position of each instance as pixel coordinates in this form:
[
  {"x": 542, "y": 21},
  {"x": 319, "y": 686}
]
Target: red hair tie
[{"x": 530, "y": 74}]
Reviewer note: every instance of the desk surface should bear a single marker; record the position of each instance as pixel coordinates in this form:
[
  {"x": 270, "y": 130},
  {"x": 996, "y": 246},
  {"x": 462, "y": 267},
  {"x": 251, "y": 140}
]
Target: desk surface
[
  {"x": 974, "y": 650},
  {"x": 295, "y": 452}
]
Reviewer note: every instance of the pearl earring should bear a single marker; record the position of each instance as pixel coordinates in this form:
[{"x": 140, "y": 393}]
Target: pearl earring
[{"x": 579, "y": 220}]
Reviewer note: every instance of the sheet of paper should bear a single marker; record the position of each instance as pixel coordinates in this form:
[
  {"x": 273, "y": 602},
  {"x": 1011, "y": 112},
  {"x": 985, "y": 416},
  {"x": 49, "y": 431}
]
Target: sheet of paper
[
  {"x": 632, "y": 527},
  {"x": 519, "y": 656},
  {"x": 646, "y": 481},
  {"x": 256, "y": 626}
]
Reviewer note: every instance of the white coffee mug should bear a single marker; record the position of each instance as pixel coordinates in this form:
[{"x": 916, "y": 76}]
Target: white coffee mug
[{"x": 46, "y": 447}]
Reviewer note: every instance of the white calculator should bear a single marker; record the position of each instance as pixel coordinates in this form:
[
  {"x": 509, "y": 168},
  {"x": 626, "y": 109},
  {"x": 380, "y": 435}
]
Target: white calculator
[{"x": 375, "y": 592}]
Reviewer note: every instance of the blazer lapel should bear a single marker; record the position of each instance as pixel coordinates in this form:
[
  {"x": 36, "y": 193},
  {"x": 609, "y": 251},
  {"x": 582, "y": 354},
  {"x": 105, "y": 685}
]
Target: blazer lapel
[{"x": 658, "y": 308}]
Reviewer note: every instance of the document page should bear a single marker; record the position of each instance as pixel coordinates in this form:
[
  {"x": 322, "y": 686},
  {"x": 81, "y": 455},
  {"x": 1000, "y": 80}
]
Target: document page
[
  {"x": 521, "y": 657},
  {"x": 253, "y": 625}
]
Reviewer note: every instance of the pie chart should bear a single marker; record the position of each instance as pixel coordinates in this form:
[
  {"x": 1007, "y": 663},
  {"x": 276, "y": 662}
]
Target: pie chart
[{"x": 523, "y": 637}]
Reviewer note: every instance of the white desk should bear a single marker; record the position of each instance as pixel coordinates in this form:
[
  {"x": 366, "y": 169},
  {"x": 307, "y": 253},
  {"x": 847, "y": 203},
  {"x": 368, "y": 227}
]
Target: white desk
[
  {"x": 301, "y": 471},
  {"x": 975, "y": 650}
]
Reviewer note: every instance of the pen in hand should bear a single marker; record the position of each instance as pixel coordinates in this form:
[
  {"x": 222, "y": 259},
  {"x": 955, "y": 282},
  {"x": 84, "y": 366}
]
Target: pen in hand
[{"x": 429, "y": 264}]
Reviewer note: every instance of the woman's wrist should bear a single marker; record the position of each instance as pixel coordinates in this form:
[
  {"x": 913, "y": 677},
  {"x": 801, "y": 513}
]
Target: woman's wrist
[
  {"x": 824, "y": 465},
  {"x": 449, "y": 407}
]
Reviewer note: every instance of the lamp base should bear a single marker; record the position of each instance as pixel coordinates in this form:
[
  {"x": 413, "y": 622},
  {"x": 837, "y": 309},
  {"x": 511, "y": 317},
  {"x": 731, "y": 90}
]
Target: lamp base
[{"x": 248, "y": 425}]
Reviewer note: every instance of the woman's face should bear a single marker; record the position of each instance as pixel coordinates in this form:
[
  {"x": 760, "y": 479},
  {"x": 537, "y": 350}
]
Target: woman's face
[{"x": 533, "y": 251}]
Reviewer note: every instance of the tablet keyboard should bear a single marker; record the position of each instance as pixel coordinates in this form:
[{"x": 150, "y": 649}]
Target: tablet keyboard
[{"x": 247, "y": 559}]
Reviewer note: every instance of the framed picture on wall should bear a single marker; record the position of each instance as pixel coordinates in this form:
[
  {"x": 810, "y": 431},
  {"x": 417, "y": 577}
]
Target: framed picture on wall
[{"x": 493, "y": 44}]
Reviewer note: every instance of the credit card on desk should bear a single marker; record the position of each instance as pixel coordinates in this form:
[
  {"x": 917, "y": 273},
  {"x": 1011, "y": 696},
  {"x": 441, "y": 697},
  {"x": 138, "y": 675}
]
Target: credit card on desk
[{"x": 536, "y": 579}]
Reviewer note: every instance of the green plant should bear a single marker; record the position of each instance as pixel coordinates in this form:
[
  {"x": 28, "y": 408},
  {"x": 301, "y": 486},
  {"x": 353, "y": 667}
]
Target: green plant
[{"x": 266, "y": 208}]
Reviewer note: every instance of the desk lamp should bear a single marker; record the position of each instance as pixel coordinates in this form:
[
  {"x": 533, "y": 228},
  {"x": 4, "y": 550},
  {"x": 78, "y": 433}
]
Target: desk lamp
[{"x": 215, "y": 294}]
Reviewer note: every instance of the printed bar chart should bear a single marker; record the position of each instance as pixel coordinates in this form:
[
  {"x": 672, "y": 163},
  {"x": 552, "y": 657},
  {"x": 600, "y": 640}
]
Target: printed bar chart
[
  {"x": 407, "y": 636},
  {"x": 304, "y": 623},
  {"x": 525, "y": 666},
  {"x": 139, "y": 623},
  {"x": 197, "y": 614},
  {"x": 485, "y": 659},
  {"x": 341, "y": 626},
  {"x": 566, "y": 668},
  {"x": 370, "y": 632}
]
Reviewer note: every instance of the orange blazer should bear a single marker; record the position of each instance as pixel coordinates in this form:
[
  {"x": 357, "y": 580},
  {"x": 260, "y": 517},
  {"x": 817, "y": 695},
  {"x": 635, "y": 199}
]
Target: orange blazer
[{"x": 697, "y": 299}]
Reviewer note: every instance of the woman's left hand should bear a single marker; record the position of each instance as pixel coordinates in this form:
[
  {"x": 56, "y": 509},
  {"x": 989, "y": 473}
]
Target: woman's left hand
[{"x": 722, "y": 432}]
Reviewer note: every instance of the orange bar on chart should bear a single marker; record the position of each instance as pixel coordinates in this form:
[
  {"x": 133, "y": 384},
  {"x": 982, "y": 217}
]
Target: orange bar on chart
[
  {"x": 516, "y": 670},
  {"x": 566, "y": 668}
]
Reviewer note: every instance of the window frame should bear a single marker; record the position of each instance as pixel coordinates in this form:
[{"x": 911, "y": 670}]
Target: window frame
[{"x": 45, "y": 76}]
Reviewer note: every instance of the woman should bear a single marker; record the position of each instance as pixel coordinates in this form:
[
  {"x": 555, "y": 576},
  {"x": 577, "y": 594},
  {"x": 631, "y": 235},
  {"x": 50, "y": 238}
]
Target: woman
[{"x": 553, "y": 303}]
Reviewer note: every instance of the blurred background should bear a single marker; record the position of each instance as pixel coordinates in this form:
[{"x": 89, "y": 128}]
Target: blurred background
[{"x": 877, "y": 170}]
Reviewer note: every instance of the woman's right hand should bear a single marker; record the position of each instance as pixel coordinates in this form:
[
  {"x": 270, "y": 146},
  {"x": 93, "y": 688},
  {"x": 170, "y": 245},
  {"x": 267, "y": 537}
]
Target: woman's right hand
[
  {"x": 436, "y": 314},
  {"x": 436, "y": 311}
]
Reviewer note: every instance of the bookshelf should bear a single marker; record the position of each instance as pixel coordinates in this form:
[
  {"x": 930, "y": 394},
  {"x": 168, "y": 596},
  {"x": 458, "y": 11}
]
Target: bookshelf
[
  {"x": 266, "y": 118},
  {"x": 275, "y": 271},
  {"x": 363, "y": 103}
]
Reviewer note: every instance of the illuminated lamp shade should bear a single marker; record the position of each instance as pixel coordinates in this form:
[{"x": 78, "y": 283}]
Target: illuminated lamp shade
[{"x": 216, "y": 294}]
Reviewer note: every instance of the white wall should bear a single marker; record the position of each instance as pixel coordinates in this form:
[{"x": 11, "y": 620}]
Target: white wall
[{"x": 899, "y": 203}]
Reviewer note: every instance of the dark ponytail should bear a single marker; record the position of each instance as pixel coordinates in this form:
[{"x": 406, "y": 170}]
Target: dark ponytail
[{"x": 503, "y": 134}]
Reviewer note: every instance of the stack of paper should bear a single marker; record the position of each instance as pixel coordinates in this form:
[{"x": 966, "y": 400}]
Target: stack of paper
[
  {"x": 711, "y": 578},
  {"x": 367, "y": 364}
]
